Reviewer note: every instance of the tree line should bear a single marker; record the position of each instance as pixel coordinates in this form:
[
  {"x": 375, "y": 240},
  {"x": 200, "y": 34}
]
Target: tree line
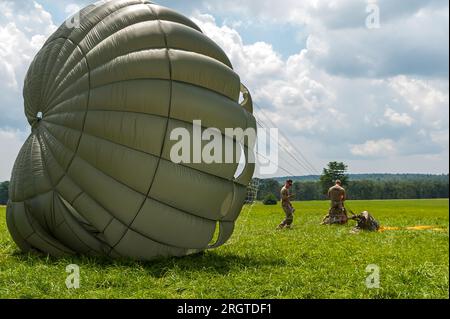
[
  {"x": 381, "y": 186},
  {"x": 4, "y": 192},
  {"x": 364, "y": 189}
]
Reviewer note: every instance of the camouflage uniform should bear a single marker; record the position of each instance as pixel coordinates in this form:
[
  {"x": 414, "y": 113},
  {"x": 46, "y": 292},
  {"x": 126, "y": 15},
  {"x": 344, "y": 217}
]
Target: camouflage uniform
[
  {"x": 337, "y": 213},
  {"x": 365, "y": 222},
  {"x": 287, "y": 208}
]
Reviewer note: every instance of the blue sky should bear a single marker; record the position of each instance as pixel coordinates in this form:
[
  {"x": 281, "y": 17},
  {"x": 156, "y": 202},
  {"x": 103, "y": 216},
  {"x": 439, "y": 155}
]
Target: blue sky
[
  {"x": 252, "y": 30},
  {"x": 376, "y": 98}
]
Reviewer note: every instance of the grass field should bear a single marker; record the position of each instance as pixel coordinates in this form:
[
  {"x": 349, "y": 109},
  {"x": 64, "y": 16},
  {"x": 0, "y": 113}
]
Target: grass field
[{"x": 309, "y": 261}]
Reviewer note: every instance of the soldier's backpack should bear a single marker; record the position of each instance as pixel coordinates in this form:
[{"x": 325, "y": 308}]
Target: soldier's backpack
[{"x": 365, "y": 221}]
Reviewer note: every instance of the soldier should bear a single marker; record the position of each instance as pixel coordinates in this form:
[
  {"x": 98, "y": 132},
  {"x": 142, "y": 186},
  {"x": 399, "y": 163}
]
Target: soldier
[
  {"x": 286, "y": 205},
  {"x": 337, "y": 213}
]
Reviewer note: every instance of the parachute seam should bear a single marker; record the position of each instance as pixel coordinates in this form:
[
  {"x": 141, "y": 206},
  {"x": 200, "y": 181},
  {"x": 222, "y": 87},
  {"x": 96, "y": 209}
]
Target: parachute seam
[
  {"x": 11, "y": 224},
  {"x": 143, "y": 152},
  {"x": 78, "y": 144},
  {"x": 165, "y": 132},
  {"x": 76, "y": 197},
  {"x": 147, "y": 4},
  {"x": 91, "y": 8},
  {"x": 122, "y": 223},
  {"x": 62, "y": 249},
  {"x": 19, "y": 167},
  {"x": 60, "y": 82},
  {"x": 53, "y": 155},
  {"x": 115, "y": 12},
  {"x": 54, "y": 76},
  {"x": 115, "y": 218},
  {"x": 85, "y": 113},
  {"x": 128, "y": 187},
  {"x": 206, "y": 57},
  {"x": 46, "y": 75},
  {"x": 73, "y": 232},
  {"x": 75, "y": 153},
  {"x": 47, "y": 175},
  {"x": 85, "y": 35},
  {"x": 65, "y": 170},
  {"x": 134, "y": 112},
  {"x": 107, "y": 225},
  {"x": 66, "y": 175},
  {"x": 146, "y": 79},
  {"x": 159, "y": 20}
]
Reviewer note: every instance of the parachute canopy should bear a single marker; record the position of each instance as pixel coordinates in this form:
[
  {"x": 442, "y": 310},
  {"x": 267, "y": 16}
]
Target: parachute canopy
[{"x": 95, "y": 176}]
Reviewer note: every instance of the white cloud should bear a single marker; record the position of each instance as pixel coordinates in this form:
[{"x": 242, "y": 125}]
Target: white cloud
[
  {"x": 284, "y": 84},
  {"x": 397, "y": 118},
  {"x": 429, "y": 98},
  {"x": 10, "y": 142},
  {"x": 380, "y": 148},
  {"x": 256, "y": 62},
  {"x": 72, "y": 8},
  {"x": 24, "y": 27},
  {"x": 413, "y": 38},
  {"x": 332, "y": 110},
  {"x": 351, "y": 93},
  {"x": 441, "y": 138}
]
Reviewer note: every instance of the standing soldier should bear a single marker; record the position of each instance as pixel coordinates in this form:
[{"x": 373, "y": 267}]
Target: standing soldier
[
  {"x": 286, "y": 205},
  {"x": 337, "y": 213}
]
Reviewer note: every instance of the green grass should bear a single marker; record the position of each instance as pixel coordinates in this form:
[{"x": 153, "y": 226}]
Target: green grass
[{"x": 309, "y": 261}]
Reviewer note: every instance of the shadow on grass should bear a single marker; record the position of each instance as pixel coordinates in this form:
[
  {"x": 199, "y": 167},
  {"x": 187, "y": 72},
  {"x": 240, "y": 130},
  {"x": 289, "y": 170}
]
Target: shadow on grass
[{"x": 208, "y": 261}]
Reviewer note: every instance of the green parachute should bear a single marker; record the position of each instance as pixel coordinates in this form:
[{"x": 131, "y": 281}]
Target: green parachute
[{"x": 95, "y": 176}]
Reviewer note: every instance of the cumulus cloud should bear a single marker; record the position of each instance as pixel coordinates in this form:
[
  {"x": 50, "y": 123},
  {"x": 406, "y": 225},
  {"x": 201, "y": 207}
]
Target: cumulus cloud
[
  {"x": 380, "y": 148},
  {"x": 412, "y": 46},
  {"x": 10, "y": 142},
  {"x": 428, "y": 98},
  {"x": 24, "y": 26},
  {"x": 397, "y": 118},
  {"x": 412, "y": 39},
  {"x": 349, "y": 116},
  {"x": 348, "y": 93},
  {"x": 72, "y": 8}
]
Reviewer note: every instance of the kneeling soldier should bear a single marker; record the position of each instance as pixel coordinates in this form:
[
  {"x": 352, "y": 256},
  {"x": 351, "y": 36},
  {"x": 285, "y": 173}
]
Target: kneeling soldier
[{"x": 337, "y": 213}]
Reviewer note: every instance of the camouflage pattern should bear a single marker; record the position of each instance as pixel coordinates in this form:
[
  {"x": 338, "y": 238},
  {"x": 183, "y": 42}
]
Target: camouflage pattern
[
  {"x": 287, "y": 208},
  {"x": 284, "y": 195},
  {"x": 337, "y": 213},
  {"x": 336, "y": 216},
  {"x": 289, "y": 211},
  {"x": 365, "y": 221}
]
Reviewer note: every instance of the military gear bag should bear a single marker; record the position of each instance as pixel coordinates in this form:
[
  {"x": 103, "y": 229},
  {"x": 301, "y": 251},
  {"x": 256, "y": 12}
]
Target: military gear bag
[{"x": 365, "y": 221}]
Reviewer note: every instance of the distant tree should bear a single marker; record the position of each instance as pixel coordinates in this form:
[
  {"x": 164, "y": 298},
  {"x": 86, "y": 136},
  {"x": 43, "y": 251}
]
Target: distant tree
[
  {"x": 334, "y": 171},
  {"x": 4, "y": 193},
  {"x": 367, "y": 186},
  {"x": 308, "y": 191},
  {"x": 270, "y": 199},
  {"x": 268, "y": 186},
  {"x": 362, "y": 189}
]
